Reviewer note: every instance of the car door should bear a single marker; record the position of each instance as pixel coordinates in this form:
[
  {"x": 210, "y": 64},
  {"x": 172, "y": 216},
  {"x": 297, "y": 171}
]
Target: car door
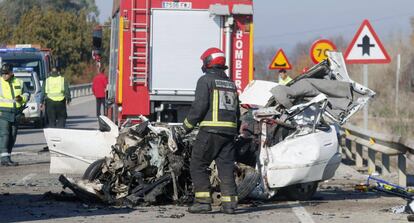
[{"x": 73, "y": 150}]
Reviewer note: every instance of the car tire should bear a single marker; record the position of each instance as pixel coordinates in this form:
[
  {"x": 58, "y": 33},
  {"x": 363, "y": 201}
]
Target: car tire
[
  {"x": 248, "y": 182},
  {"x": 246, "y": 177},
  {"x": 94, "y": 170},
  {"x": 300, "y": 192}
]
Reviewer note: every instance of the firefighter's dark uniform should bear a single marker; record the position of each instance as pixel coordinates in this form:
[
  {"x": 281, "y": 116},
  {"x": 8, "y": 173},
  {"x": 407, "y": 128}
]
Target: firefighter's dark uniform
[
  {"x": 56, "y": 95},
  {"x": 216, "y": 109},
  {"x": 10, "y": 111}
]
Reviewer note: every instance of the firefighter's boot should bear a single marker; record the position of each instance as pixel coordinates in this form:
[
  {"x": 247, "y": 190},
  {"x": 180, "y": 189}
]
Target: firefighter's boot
[
  {"x": 202, "y": 203},
  {"x": 228, "y": 204},
  {"x": 199, "y": 208}
]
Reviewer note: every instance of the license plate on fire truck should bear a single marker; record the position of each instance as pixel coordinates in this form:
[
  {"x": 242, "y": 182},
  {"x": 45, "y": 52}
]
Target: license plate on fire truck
[{"x": 177, "y": 5}]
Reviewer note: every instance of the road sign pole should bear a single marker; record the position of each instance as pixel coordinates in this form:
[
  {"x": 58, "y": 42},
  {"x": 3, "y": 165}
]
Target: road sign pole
[
  {"x": 365, "y": 70},
  {"x": 397, "y": 81}
]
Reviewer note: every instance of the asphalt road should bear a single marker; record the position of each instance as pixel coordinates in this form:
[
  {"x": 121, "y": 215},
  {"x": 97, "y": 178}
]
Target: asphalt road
[{"x": 23, "y": 188}]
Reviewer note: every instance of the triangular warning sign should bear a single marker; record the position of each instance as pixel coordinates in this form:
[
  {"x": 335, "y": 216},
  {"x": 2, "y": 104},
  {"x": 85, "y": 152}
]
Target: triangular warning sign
[
  {"x": 366, "y": 47},
  {"x": 280, "y": 61}
]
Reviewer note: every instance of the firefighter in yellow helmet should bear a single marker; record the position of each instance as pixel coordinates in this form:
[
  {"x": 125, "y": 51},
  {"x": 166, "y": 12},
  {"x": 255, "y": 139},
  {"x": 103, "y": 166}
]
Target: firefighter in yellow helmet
[
  {"x": 56, "y": 96},
  {"x": 13, "y": 96}
]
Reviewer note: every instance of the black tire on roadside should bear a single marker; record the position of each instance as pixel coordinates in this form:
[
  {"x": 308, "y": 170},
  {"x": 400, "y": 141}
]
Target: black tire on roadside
[
  {"x": 94, "y": 170},
  {"x": 248, "y": 183},
  {"x": 300, "y": 192}
]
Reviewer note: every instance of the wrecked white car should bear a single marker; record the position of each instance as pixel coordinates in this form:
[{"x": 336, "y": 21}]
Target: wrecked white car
[
  {"x": 288, "y": 143},
  {"x": 298, "y": 127}
]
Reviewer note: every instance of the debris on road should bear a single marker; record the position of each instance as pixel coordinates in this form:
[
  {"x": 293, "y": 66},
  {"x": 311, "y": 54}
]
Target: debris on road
[
  {"x": 382, "y": 186},
  {"x": 171, "y": 216},
  {"x": 400, "y": 209},
  {"x": 149, "y": 164},
  {"x": 62, "y": 196}
]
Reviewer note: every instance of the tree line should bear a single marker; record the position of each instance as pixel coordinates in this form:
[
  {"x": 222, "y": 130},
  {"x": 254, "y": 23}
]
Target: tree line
[{"x": 61, "y": 25}]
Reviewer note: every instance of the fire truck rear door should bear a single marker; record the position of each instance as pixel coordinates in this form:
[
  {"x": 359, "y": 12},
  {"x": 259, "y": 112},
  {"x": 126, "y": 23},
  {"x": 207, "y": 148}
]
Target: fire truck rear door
[{"x": 179, "y": 37}]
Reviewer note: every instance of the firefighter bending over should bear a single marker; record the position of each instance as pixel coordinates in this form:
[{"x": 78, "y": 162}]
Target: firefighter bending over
[{"x": 216, "y": 109}]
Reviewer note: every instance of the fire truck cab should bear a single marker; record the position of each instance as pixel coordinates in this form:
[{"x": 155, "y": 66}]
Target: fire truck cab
[{"x": 155, "y": 53}]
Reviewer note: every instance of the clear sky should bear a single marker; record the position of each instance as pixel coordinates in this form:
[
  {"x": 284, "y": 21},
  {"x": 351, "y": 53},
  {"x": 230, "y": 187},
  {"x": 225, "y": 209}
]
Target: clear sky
[{"x": 284, "y": 23}]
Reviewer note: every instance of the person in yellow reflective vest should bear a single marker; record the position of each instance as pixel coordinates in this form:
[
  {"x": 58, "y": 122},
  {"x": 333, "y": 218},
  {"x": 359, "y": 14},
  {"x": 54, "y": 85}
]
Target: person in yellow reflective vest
[
  {"x": 284, "y": 78},
  {"x": 13, "y": 96},
  {"x": 56, "y": 96},
  {"x": 216, "y": 110}
]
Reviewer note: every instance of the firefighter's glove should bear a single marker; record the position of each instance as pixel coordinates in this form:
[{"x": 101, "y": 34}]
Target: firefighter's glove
[{"x": 18, "y": 99}]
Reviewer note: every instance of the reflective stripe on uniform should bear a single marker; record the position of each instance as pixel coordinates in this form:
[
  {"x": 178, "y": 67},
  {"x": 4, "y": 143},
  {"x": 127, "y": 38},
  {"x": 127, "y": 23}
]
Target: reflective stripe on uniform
[
  {"x": 202, "y": 194},
  {"x": 187, "y": 124},
  {"x": 218, "y": 124},
  {"x": 215, "y": 105},
  {"x": 7, "y": 100},
  {"x": 229, "y": 199},
  {"x": 215, "y": 122}
]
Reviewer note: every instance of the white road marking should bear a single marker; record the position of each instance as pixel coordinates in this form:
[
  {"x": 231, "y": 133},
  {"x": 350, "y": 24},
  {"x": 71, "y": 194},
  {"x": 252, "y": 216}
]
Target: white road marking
[
  {"x": 25, "y": 153},
  {"x": 301, "y": 213},
  {"x": 26, "y": 178}
]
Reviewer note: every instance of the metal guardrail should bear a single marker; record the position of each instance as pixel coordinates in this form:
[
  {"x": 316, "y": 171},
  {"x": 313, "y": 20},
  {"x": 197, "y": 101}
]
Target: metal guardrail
[
  {"x": 356, "y": 141},
  {"x": 80, "y": 90}
]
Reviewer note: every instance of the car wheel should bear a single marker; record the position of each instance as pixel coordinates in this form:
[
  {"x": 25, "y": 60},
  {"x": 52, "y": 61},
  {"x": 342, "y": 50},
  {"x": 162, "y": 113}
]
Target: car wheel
[
  {"x": 300, "y": 192},
  {"x": 247, "y": 180},
  {"x": 94, "y": 170},
  {"x": 246, "y": 177}
]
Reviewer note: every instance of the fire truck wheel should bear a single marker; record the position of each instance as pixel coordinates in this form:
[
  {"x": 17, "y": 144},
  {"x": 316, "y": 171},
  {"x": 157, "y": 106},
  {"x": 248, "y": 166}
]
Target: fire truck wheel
[
  {"x": 300, "y": 192},
  {"x": 94, "y": 170}
]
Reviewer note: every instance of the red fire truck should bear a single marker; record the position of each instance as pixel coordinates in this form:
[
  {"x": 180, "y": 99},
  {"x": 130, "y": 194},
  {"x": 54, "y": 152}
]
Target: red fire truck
[{"x": 155, "y": 51}]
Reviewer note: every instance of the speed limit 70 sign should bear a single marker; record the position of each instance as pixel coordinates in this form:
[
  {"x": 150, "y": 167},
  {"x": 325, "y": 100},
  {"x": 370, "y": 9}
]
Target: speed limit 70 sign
[{"x": 319, "y": 49}]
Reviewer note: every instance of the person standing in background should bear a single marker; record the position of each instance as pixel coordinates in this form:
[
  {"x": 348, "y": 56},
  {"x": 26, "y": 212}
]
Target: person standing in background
[
  {"x": 56, "y": 97},
  {"x": 284, "y": 78},
  {"x": 98, "y": 87}
]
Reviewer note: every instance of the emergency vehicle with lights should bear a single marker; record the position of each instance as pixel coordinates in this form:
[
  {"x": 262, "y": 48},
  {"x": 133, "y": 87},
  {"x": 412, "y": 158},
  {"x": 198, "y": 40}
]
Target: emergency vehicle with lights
[
  {"x": 155, "y": 53},
  {"x": 32, "y": 64}
]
